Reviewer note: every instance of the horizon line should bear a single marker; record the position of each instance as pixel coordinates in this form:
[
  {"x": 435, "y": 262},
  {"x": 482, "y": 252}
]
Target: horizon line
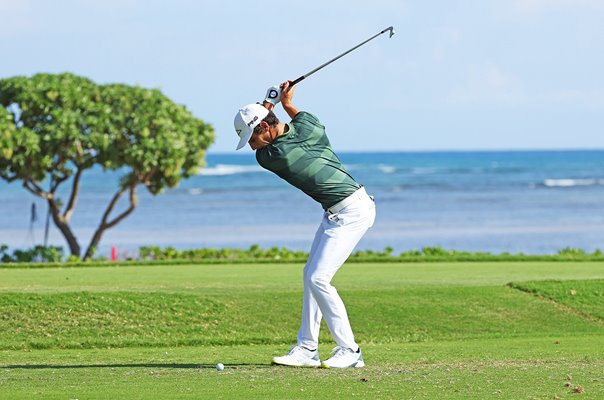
[{"x": 527, "y": 150}]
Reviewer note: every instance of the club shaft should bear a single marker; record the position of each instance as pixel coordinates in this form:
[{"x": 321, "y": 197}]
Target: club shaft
[{"x": 338, "y": 57}]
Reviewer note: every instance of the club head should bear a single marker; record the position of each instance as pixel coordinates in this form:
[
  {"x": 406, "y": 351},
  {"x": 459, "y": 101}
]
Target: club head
[{"x": 390, "y": 28}]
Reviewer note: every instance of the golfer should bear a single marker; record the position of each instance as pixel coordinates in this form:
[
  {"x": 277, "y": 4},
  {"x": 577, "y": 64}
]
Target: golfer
[{"x": 300, "y": 153}]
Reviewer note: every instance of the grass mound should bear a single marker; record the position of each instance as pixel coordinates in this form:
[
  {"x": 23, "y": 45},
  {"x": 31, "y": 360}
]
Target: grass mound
[
  {"x": 152, "y": 319},
  {"x": 118, "y": 319},
  {"x": 586, "y": 297}
]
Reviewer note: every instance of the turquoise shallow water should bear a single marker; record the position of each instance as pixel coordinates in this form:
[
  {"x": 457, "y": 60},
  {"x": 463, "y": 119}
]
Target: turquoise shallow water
[{"x": 532, "y": 202}]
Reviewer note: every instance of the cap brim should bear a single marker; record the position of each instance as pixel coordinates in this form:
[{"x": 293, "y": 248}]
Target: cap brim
[{"x": 244, "y": 139}]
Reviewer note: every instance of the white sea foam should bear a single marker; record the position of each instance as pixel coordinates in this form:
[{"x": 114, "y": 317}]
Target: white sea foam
[
  {"x": 572, "y": 182},
  {"x": 229, "y": 169},
  {"x": 387, "y": 169},
  {"x": 195, "y": 191}
]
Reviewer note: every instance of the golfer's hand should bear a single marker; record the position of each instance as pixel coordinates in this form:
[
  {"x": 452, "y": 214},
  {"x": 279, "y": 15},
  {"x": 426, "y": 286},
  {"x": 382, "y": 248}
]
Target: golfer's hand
[
  {"x": 273, "y": 95},
  {"x": 287, "y": 92}
]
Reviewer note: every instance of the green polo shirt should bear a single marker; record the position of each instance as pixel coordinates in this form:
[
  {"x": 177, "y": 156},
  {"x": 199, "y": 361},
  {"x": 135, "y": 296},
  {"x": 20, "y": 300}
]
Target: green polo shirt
[{"x": 304, "y": 158}]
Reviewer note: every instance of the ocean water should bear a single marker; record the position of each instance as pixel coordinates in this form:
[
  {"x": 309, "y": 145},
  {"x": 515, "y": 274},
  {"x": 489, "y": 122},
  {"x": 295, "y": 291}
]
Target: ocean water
[{"x": 533, "y": 202}]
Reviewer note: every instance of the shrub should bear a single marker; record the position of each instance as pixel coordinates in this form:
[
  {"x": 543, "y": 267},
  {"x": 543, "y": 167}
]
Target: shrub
[{"x": 35, "y": 254}]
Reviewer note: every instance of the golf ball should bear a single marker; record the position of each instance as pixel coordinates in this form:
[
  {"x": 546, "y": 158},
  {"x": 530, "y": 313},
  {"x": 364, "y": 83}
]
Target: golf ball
[{"x": 219, "y": 367}]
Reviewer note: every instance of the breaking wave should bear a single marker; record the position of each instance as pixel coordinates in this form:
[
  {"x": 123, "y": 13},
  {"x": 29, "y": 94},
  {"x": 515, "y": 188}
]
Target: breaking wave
[
  {"x": 572, "y": 182},
  {"x": 229, "y": 169}
]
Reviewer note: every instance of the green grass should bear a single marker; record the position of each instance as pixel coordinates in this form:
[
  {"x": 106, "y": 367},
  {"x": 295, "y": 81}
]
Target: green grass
[
  {"x": 438, "y": 330},
  {"x": 585, "y": 297},
  {"x": 478, "y": 369}
]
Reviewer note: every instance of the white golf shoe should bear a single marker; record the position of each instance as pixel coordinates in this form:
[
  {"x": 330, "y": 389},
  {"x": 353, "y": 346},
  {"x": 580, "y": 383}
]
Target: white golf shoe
[
  {"x": 343, "y": 357},
  {"x": 299, "y": 356}
]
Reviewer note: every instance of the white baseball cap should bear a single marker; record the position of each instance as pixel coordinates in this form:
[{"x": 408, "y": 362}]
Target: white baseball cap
[{"x": 246, "y": 119}]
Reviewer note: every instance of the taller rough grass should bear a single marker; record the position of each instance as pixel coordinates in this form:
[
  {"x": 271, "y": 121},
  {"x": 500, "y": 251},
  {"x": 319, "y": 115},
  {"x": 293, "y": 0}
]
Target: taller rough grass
[
  {"x": 585, "y": 297},
  {"x": 144, "y": 319}
]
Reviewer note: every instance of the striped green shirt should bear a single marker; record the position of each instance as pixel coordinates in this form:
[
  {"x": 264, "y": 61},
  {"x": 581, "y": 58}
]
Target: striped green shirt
[{"x": 304, "y": 158}]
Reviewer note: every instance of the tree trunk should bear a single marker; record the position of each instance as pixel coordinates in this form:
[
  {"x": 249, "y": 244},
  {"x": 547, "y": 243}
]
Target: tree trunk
[
  {"x": 63, "y": 226},
  {"x": 105, "y": 224},
  {"x": 94, "y": 242},
  {"x": 60, "y": 220}
]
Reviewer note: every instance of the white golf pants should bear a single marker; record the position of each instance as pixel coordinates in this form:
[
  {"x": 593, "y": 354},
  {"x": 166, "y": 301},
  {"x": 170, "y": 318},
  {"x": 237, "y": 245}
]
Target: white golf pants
[{"x": 334, "y": 241}]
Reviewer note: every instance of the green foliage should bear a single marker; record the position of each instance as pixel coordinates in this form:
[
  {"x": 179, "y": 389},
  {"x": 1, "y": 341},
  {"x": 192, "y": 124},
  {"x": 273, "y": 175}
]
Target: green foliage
[
  {"x": 253, "y": 253},
  {"x": 159, "y": 140},
  {"x": 51, "y": 254},
  {"x": 363, "y": 254},
  {"x": 50, "y": 124},
  {"x": 4, "y": 256},
  {"x": 429, "y": 254},
  {"x": 569, "y": 251},
  {"x": 57, "y": 126},
  {"x": 73, "y": 259}
]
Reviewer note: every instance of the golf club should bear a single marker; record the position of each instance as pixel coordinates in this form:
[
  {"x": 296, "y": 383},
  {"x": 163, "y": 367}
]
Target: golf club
[
  {"x": 273, "y": 94},
  {"x": 391, "y": 29}
]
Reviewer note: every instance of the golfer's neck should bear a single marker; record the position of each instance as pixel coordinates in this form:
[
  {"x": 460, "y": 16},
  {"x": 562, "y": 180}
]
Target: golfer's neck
[{"x": 281, "y": 129}]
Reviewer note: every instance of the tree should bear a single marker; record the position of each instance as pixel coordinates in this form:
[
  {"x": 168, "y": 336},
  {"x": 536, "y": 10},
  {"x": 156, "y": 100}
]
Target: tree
[{"x": 58, "y": 126}]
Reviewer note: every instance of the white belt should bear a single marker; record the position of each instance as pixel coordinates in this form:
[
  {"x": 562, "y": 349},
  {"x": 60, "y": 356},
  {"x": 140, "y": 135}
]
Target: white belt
[{"x": 360, "y": 194}]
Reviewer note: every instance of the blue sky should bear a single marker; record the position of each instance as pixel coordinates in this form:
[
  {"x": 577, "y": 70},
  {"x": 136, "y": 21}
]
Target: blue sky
[{"x": 458, "y": 75}]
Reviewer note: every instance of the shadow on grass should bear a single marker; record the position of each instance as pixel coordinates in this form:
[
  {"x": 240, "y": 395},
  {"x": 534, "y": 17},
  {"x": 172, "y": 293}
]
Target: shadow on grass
[{"x": 176, "y": 366}]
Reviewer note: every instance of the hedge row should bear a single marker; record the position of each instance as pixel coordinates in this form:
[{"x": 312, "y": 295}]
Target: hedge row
[{"x": 152, "y": 255}]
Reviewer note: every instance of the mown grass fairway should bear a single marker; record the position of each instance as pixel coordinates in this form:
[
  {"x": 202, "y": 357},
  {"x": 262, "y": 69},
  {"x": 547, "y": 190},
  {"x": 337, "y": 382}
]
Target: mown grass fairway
[{"x": 428, "y": 331}]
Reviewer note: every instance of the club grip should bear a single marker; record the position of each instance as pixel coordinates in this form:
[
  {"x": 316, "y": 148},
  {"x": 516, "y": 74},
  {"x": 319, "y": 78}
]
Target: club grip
[{"x": 297, "y": 80}]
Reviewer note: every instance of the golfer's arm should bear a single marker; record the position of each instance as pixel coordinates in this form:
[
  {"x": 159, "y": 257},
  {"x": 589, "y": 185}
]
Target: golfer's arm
[
  {"x": 268, "y": 106},
  {"x": 290, "y": 109}
]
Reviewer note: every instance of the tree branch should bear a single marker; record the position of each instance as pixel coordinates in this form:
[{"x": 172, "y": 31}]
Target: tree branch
[
  {"x": 104, "y": 225},
  {"x": 8, "y": 178},
  {"x": 36, "y": 190},
  {"x": 75, "y": 190},
  {"x": 126, "y": 212},
  {"x": 56, "y": 182}
]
